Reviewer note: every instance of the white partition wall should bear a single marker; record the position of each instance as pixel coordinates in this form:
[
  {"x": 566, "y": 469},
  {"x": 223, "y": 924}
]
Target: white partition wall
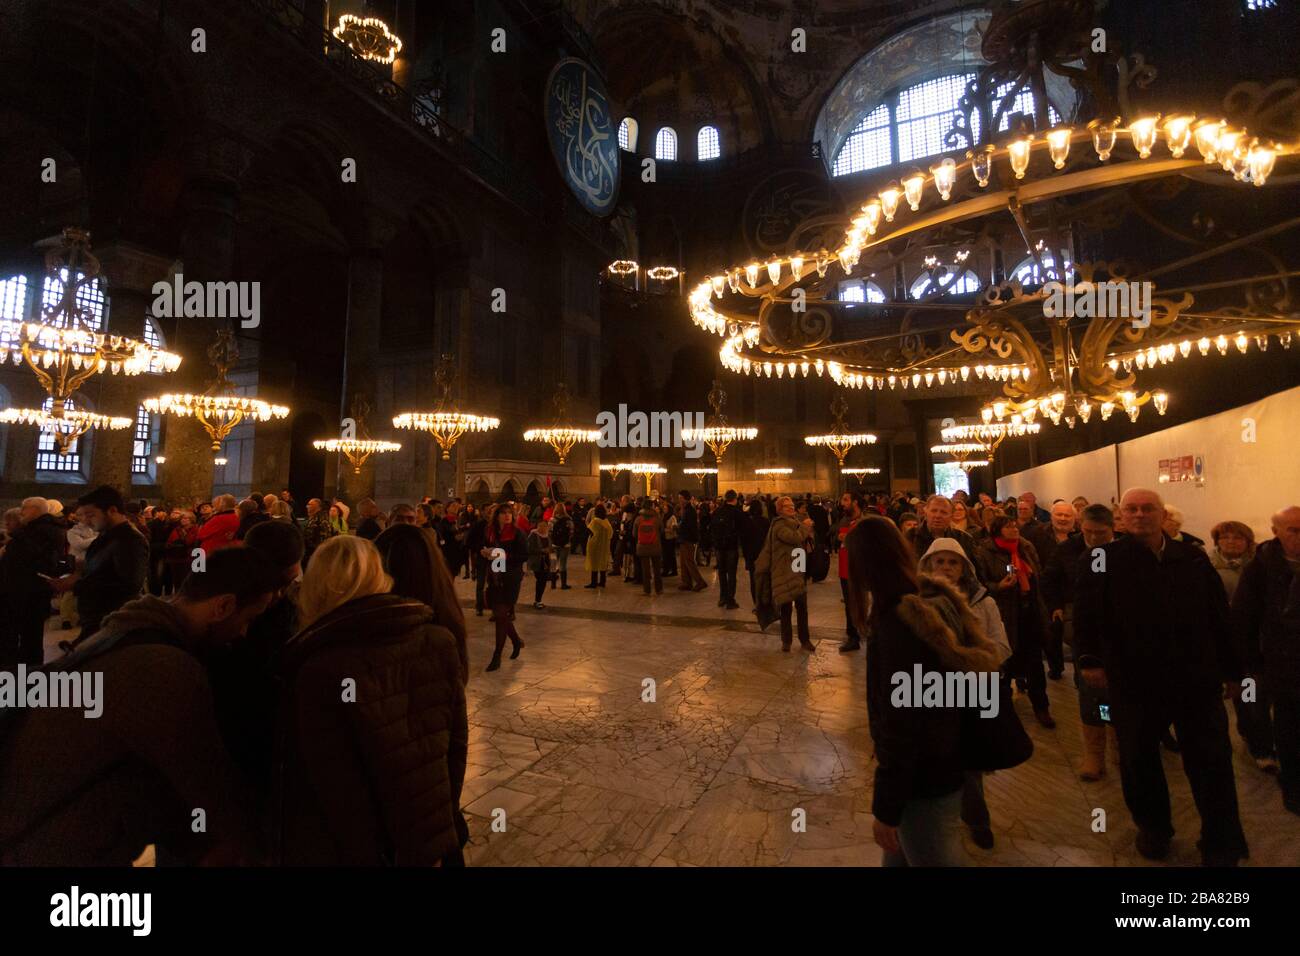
[{"x": 1244, "y": 465}]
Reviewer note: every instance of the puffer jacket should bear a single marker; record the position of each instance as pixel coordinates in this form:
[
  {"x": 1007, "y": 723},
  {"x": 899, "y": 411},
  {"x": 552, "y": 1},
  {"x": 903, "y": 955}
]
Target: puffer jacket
[
  {"x": 785, "y": 534},
  {"x": 374, "y": 780}
]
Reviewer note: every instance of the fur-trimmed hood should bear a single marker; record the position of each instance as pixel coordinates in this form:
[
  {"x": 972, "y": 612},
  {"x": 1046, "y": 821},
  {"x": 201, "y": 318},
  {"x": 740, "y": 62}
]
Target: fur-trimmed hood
[{"x": 942, "y": 620}]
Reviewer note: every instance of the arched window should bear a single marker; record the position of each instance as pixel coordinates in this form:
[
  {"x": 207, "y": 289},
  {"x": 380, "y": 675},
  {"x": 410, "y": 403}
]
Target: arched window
[
  {"x": 627, "y": 134},
  {"x": 48, "y": 459},
  {"x": 966, "y": 283},
  {"x": 142, "y": 451},
  {"x": 869, "y": 146},
  {"x": 90, "y": 297},
  {"x": 153, "y": 338},
  {"x": 666, "y": 144},
  {"x": 1029, "y": 273},
  {"x": 912, "y": 123},
  {"x": 858, "y": 290},
  {"x": 13, "y": 305},
  {"x": 707, "y": 144}
]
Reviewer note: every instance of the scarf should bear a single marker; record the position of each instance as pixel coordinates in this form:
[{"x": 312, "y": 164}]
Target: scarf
[
  {"x": 1021, "y": 565},
  {"x": 497, "y": 534}
]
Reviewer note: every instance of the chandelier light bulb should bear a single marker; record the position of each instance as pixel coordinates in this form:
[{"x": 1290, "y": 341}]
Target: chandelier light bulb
[
  {"x": 796, "y": 267},
  {"x": 733, "y": 281},
  {"x": 1018, "y": 151},
  {"x": 1058, "y": 145},
  {"x": 889, "y": 197},
  {"x": 751, "y": 274},
  {"x": 719, "y": 284},
  {"x": 1206, "y": 134},
  {"x": 1225, "y": 146},
  {"x": 945, "y": 177},
  {"x": 871, "y": 214},
  {"x": 1260, "y": 161},
  {"x": 1143, "y": 131},
  {"x": 1103, "y": 138},
  {"x": 912, "y": 186},
  {"x": 981, "y": 165},
  {"x": 774, "y": 271},
  {"x": 1178, "y": 133},
  {"x": 1161, "y": 401}
]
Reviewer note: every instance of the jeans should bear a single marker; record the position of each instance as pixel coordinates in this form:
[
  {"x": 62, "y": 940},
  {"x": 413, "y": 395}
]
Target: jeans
[
  {"x": 670, "y": 557},
  {"x": 543, "y": 579},
  {"x": 562, "y": 553},
  {"x": 728, "y": 558},
  {"x": 480, "y": 580},
  {"x": 799, "y": 605},
  {"x": 1091, "y": 700},
  {"x": 649, "y": 569},
  {"x": 929, "y": 833},
  {"x": 1026, "y": 661}
]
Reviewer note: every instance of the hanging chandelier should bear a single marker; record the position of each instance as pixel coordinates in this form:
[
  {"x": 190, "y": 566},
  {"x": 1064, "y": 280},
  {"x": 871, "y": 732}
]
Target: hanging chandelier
[
  {"x": 445, "y": 422},
  {"x": 219, "y": 409},
  {"x": 368, "y": 37},
  {"x": 984, "y": 437},
  {"x": 962, "y": 452},
  {"x": 559, "y": 436},
  {"x": 773, "y": 472},
  {"x": 645, "y": 469},
  {"x": 1026, "y": 175},
  {"x": 700, "y": 474},
  {"x": 716, "y": 433},
  {"x": 840, "y": 441},
  {"x": 859, "y": 472},
  {"x": 357, "y": 450},
  {"x": 64, "y": 349}
]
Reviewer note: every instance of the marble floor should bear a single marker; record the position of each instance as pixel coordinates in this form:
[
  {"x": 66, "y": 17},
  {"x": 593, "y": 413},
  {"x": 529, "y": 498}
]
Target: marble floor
[{"x": 576, "y": 767}]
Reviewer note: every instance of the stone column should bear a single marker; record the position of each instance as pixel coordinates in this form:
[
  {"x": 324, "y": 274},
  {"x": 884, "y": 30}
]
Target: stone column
[
  {"x": 129, "y": 273},
  {"x": 361, "y": 357},
  {"x": 207, "y": 249}
]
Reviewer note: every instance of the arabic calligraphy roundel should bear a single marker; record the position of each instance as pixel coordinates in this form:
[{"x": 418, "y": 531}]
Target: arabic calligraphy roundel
[{"x": 583, "y": 134}]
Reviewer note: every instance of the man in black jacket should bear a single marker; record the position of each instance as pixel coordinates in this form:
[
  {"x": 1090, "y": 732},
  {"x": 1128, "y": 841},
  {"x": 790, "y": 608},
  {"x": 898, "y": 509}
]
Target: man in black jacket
[
  {"x": 1266, "y": 606},
  {"x": 688, "y": 537},
  {"x": 1152, "y": 625},
  {"x": 30, "y": 560},
  {"x": 117, "y": 561},
  {"x": 936, "y": 522},
  {"x": 725, "y": 529}
]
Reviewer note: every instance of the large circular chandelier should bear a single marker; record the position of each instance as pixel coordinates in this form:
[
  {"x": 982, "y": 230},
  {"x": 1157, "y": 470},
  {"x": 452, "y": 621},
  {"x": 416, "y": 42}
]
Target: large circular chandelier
[
  {"x": 717, "y": 434},
  {"x": 962, "y": 452},
  {"x": 840, "y": 441},
  {"x": 64, "y": 349},
  {"x": 562, "y": 437},
  {"x": 357, "y": 447},
  {"x": 368, "y": 37},
  {"x": 219, "y": 409},
  {"x": 446, "y": 423},
  {"x": 1034, "y": 179},
  {"x": 982, "y": 438}
]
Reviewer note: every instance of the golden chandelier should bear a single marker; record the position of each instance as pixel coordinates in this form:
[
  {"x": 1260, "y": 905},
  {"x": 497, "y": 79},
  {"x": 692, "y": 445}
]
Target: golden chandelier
[
  {"x": 716, "y": 433},
  {"x": 445, "y": 422},
  {"x": 65, "y": 349},
  {"x": 840, "y": 441},
  {"x": 219, "y": 409},
  {"x": 357, "y": 450},
  {"x": 777, "y": 316},
  {"x": 559, "y": 436}
]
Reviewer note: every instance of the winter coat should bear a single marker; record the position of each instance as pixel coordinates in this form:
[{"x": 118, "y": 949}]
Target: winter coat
[
  {"x": 724, "y": 527},
  {"x": 317, "y": 531},
  {"x": 218, "y": 532},
  {"x": 1061, "y": 572},
  {"x": 922, "y": 537},
  {"x": 108, "y": 787},
  {"x": 597, "y": 557},
  {"x": 1229, "y": 570},
  {"x": 777, "y": 556},
  {"x": 562, "y": 531},
  {"x": 117, "y": 563},
  {"x": 1158, "y": 626},
  {"x": 992, "y": 564},
  {"x": 503, "y": 586},
  {"x": 539, "y": 553},
  {"x": 1265, "y": 607},
  {"x": 753, "y": 532},
  {"x": 918, "y": 749},
  {"x": 80, "y": 537},
  {"x": 374, "y": 780},
  {"x": 646, "y": 522},
  {"x": 688, "y": 525},
  {"x": 977, "y": 596},
  {"x": 37, "y": 547}
]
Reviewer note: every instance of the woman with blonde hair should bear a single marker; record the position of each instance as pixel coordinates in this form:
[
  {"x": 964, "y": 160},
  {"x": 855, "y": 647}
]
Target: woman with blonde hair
[{"x": 373, "y": 735}]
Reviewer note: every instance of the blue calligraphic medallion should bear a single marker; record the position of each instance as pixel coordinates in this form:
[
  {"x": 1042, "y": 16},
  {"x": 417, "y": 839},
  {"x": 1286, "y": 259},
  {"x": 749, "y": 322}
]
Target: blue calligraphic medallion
[{"x": 583, "y": 134}]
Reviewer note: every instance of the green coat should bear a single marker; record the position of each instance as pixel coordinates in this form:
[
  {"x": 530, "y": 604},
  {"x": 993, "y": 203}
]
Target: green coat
[
  {"x": 597, "y": 558},
  {"x": 777, "y": 556}
]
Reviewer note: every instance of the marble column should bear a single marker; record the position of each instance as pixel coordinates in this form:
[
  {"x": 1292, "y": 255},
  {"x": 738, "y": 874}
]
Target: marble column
[
  {"x": 365, "y": 301},
  {"x": 207, "y": 254}
]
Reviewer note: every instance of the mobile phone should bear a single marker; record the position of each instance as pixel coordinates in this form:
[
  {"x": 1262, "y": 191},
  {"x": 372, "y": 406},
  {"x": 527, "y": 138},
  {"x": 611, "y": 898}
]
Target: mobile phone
[
  {"x": 1011, "y": 569},
  {"x": 1104, "y": 711}
]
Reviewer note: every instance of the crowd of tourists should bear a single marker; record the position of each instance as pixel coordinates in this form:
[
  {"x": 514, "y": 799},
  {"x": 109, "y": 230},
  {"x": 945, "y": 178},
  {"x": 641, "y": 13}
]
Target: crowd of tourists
[{"x": 301, "y": 675}]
